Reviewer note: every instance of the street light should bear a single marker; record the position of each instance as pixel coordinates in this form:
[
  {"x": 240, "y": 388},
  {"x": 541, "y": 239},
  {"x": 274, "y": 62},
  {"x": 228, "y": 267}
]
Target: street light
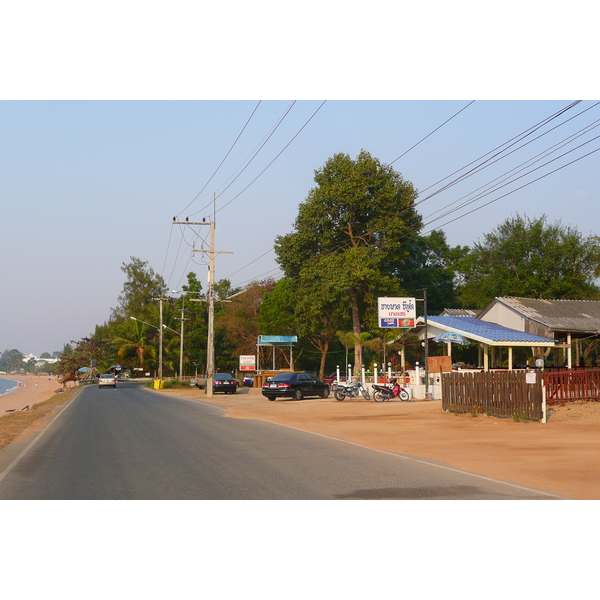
[{"x": 181, "y": 334}]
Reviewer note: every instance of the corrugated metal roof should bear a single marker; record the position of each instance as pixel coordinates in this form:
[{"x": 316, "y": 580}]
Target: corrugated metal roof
[
  {"x": 487, "y": 332},
  {"x": 458, "y": 312},
  {"x": 559, "y": 315}
]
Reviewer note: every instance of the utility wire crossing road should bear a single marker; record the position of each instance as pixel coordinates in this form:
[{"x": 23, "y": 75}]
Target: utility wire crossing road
[{"x": 131, "y": 443}]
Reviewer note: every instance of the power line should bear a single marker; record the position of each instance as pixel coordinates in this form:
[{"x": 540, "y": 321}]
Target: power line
[
  {"x": 521, "y": 167},
  {"x": 278, "y": 155},
  {"x": 516, "y": 189},
  {"x": 252, "y": 158},
  {"x": 429, "y": 134},
  {"x": 225, "y": 157},
  {"x": 479, "y": 167}
]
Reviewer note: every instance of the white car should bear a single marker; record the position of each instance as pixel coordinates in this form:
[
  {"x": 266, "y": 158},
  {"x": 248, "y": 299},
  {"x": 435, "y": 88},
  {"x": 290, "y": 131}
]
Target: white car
[{"x": 107, "y": 380}]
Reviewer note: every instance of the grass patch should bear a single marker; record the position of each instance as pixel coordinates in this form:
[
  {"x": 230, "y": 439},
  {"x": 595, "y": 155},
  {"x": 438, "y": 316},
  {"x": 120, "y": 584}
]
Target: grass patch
[{"x": 15, "y": 423}]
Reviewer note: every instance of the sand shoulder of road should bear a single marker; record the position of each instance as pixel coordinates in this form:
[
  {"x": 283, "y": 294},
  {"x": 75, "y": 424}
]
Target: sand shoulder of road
[{"x": 561, "y": 456}]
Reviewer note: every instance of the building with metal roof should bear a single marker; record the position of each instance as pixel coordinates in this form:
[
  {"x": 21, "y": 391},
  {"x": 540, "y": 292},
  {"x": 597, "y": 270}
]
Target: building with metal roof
[
  {"x": 489, "y": 335},
  {"x": 567, "y": 322}
]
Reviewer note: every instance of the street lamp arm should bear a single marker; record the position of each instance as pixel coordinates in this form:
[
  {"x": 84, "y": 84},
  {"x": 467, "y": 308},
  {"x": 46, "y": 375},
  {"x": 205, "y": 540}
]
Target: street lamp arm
[{"x": 144, "y": 322}]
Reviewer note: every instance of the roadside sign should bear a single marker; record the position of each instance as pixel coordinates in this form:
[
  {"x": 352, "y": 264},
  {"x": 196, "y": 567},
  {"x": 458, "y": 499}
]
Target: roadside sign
[
  {"x": 247, "y": 362},
  {"x": 396, "y": 312}
]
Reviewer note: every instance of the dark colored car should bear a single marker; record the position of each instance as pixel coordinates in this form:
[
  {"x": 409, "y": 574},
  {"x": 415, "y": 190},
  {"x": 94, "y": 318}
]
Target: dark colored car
[
  {"x": 294, "y": 385},
  {"x": 224, "y": 382},
  {"x": 248, "y": 380}
]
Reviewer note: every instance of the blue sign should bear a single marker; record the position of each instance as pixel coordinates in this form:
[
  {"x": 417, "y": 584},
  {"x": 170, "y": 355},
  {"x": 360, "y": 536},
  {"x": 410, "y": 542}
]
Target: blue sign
[{"x": 389, "y": 323}]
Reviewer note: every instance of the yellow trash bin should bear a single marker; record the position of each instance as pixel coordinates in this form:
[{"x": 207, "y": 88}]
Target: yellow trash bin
[{"x": 159, "y": 384}]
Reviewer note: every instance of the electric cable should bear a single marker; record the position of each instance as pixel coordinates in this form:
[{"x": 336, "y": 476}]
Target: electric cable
[
  {"x": 253, "y": 157},
  {"x": 479, "y": 167},
  {"x": 517, "y": 189},
  {"x": 522, "y": 166},
  {"x": 429, "y": 134},
  {"x": 224, "y": 159},
  {"x": 278, "y": 155}
]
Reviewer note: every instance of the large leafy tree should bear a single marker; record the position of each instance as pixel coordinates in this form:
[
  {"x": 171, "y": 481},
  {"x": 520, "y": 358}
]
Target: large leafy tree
[
  {"x": 193, "y": 302},
  {"x": 431, "y": 265},
  {"x": 141, "y": 285},
  {"x": 237, "y": 323},
  {"x": 351, "y": 228},
  {"x": 11, "y": 361},
  {"x": 530, "y": 258}
]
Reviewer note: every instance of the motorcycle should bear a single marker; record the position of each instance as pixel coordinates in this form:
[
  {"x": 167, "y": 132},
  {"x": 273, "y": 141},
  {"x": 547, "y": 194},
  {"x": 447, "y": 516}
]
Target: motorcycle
[
  {"x": 351, "y": 390},
  {"x": 383, "y": 392}
]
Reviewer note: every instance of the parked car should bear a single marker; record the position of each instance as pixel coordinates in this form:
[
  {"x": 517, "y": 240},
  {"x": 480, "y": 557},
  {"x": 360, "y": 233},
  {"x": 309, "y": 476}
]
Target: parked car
[
  {"x": 248, "y": 381},
  {"x": 107, "y": 380},
  {"x": 294, "y": 385},
  {"x": 224, "y": 382},
  {"x": 333, "y": 377}
]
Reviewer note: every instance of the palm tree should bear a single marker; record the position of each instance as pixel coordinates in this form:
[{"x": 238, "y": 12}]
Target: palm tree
[
  {"x": 350, "y": 340},
  {"x": 134, "y": 342}
]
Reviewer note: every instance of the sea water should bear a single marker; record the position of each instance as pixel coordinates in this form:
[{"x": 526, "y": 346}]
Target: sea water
[{"x": 7, "y": 386}]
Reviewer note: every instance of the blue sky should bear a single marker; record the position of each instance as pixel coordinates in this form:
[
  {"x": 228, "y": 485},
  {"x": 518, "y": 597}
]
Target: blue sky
[
  {"x": 88, "y": 184},
  {"x": 110, "y": 127}
]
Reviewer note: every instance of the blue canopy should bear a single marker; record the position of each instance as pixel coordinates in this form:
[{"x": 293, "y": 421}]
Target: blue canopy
[{"x": 453, "y": 337}]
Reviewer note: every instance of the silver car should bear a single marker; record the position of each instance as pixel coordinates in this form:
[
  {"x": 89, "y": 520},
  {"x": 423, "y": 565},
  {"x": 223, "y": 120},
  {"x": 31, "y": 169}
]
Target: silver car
[{"x": 107, "y": 380}]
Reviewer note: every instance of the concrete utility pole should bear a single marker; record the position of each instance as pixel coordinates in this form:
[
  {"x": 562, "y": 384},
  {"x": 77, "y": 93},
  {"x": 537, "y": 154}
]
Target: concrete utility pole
[
  {"x": 181, "y": 343},
  {"x": 210, "y": 354},
  {"x": 160, "y": 337}
]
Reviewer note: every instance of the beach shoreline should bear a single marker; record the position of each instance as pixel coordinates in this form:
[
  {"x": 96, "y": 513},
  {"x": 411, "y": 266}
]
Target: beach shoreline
[{"x": 34, "y": 389}]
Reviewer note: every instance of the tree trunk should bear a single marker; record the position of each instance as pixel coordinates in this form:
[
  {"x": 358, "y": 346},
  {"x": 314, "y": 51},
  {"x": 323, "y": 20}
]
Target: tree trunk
[
  {"x": 358, "y": 360},
  {"x": 324, "y": 349}
]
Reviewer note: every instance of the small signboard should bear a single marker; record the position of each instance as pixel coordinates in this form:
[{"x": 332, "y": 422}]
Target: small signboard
[
  {"x": 439, "y": 364},
  {"x": 396, "y": 312},
  {"x": 247, "y": 362}
]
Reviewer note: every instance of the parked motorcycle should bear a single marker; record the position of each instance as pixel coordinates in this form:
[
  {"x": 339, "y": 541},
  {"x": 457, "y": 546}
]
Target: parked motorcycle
[
  {"x": 384, "y": 392},
  {"x": 351, "y": 390}
]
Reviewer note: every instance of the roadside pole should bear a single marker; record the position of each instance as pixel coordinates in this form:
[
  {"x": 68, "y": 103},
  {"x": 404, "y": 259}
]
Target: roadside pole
[{"x": 210, "y": 352}]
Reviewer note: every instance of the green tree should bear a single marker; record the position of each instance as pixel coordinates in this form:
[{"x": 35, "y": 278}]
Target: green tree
[
  {"x": 353, "y": 226},
  {"x": 142, "y": 284},
  {"x": 276, "y": 316},
  {"x": 29, "y": 366},
  {"x": 431, "y": 265},
  {"x": 530, "y": 258},
  {"x": 11, "y": 361},
  {"x": 82, "y": 354},
  {"x": 236, "y": 324},
  {"x": 136, "y": 343},
  {"x": 196, "y": 325}
]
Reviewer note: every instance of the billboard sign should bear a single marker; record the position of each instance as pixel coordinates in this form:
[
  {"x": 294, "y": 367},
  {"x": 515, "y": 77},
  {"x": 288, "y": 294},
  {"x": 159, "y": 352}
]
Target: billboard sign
[
  {"x": 247, "y": 362},
  {"x": 396, "y": 312}
]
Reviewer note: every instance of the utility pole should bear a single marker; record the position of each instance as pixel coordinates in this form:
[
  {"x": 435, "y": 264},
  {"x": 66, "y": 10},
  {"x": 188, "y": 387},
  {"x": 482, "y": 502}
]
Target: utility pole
[
  {"x": 210, "y": 353},
  {"x": 426, "y": 345},
  {"x": 181, "y": 343},
  {"x": 160, "y": 338}
]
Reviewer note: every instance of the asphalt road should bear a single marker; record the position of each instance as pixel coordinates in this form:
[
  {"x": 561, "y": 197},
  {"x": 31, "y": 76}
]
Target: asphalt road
[{"x": 132, "y": 443}]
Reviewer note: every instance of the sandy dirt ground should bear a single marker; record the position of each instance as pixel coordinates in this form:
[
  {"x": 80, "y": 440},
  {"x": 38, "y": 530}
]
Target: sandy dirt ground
[
  {"x": 560, "y": 456},
  {"x": 35, "y": 389}
]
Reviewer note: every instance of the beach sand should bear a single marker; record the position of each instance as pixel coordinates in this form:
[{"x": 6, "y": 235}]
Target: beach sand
[{"x": 36, "y": 389}]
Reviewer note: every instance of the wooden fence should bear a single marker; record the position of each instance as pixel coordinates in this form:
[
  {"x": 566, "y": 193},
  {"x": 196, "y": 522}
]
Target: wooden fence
[
  {"x": 572, "y": 386},
  {"x": 500, "y": 394}
]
